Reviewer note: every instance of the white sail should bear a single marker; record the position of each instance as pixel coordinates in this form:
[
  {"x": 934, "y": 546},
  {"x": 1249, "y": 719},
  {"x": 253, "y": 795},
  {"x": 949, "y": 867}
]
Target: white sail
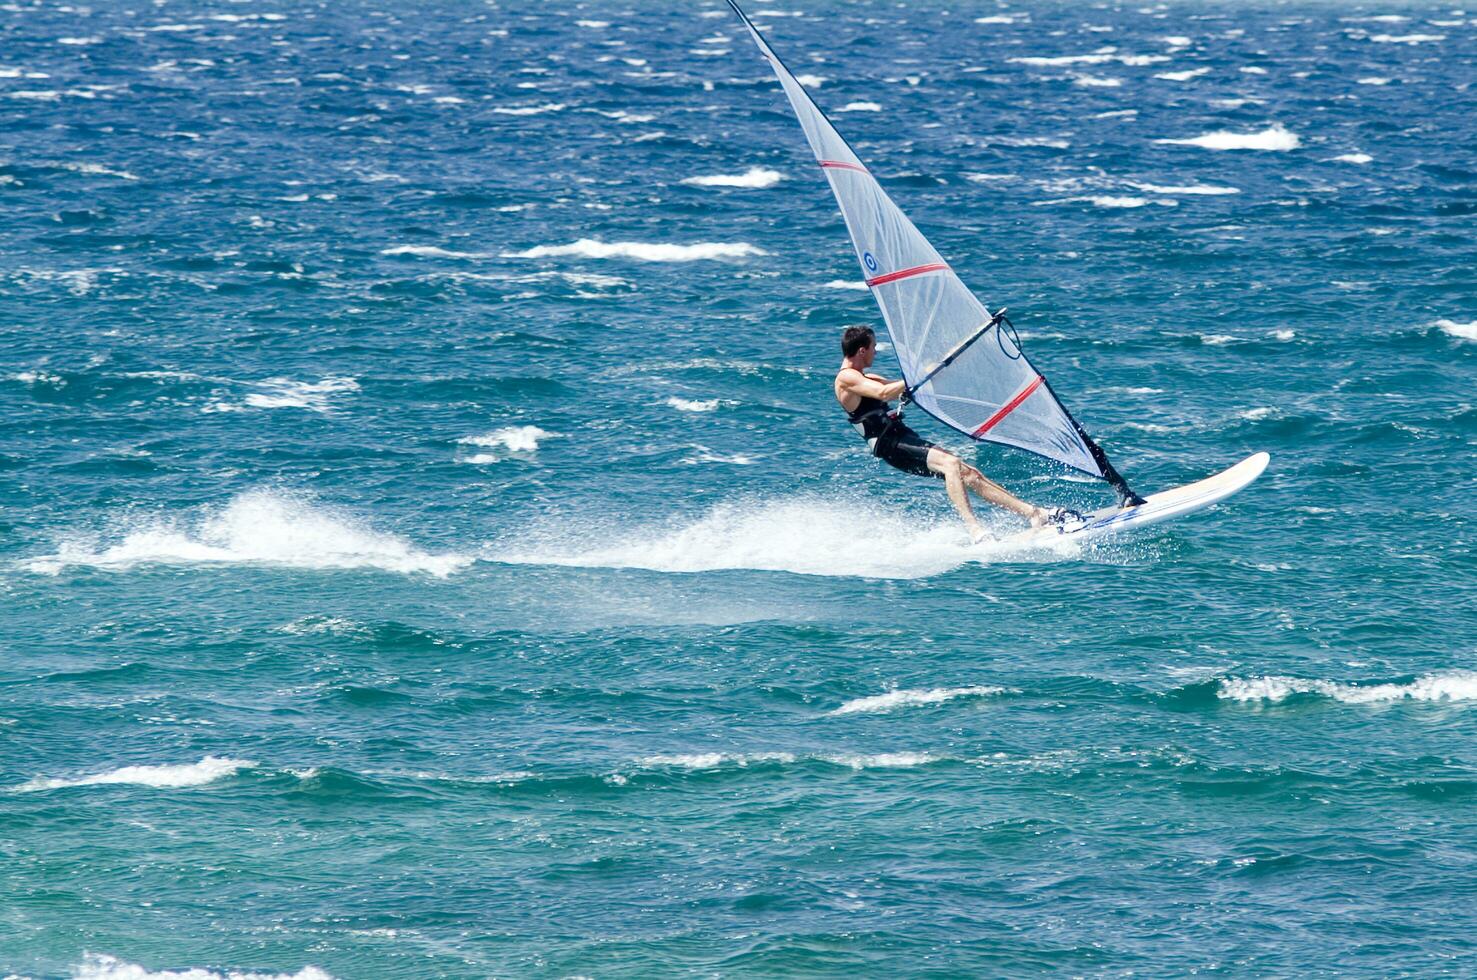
[{"x": 990, "y": 390}]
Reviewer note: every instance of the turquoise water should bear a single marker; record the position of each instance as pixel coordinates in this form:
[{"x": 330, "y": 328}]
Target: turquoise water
[{"x": 430, "y": 546}]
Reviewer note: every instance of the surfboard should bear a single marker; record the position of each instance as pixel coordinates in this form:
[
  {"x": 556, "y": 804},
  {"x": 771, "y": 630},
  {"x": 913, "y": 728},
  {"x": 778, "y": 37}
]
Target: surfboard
[{"x": 1162, "y": 506}]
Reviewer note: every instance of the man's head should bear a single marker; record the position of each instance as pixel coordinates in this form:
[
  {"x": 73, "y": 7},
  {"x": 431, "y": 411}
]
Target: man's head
[{"x": 859, "y": 343}]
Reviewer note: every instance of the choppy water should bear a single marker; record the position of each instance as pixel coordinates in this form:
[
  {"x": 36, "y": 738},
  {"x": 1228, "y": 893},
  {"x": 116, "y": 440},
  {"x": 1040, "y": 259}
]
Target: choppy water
[{"x": 430, "y": 547}]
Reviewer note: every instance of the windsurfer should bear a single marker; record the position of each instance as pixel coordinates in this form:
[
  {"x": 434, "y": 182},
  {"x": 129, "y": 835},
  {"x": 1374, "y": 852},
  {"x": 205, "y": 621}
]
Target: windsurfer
[{"x": 865, "y": 397}]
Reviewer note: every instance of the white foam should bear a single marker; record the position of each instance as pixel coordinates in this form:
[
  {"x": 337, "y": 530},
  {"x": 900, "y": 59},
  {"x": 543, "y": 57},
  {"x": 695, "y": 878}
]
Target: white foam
[
  {"x": 755, "y": 177},
  {"x": 592, "y": 24},
  {"x": 1374, "y": 80},
  {"x": 882, "y": 760},
  {"x": 1114, "y": 201},
  {"x": 1360, "y": 158},
  {"x": 431, "y": 251},
  {"x": 99, "y": 170},
  {"x": 905, "y": 699},
  {"x": 856, "y": 284},
  {"x": 811, "y": 81},
  {"x": 1217, "y": 339},
  {"x": 997, "y": 19},
  {"x": 516, "y": 438},
  {"x": 1275, "y": 137},
  {"x": 529, "y": 110},
  {"x": 315, "y": 396},
  {"x": 1454, "y": 685},
  {"x": 646, "y": 252},
  {"x": 712, "y": 760},
  {"x": 1097, "y": 58},
  {"x": 1257, "y": 414},
  {"x": 804, "y": 535},
  {"x": 1207, "y": 189},
  {"x": 1090, "y": 81},
  {"x": 1183, "y": 76},
  {"x": 685, "y": 405},
  {"x": 1463, "y": 331},
  {"x": 1283, "y": 334},
  {"x": 95, "y": 966},
  {"x": 199, "y": 773},
  {"x": 259, "y": 527},
  {"x": 1407, "y": 38},
  {"x": 860, "y": 107}
]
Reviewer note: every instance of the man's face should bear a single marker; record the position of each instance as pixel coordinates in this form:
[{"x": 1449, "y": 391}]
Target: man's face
[{"x": 866, "y": 355}]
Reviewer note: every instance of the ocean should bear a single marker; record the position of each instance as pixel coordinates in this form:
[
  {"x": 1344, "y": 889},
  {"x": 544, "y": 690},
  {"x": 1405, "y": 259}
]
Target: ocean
[{"x": 429, "y": 546}]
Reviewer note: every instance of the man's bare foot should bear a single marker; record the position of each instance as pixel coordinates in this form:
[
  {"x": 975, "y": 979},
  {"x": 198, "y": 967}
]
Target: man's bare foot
[{"x": 976, "y": 534}]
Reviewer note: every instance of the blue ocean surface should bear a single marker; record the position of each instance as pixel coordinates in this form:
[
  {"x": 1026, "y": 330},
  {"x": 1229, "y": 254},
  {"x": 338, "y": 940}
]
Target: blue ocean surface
[{"x": 429, "y": 546}]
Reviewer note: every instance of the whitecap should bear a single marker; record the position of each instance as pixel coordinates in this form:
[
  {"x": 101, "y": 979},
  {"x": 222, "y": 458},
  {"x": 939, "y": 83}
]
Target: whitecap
[
  {"x": 1374, "y": 80},
  {"x": 644, "y": 251},
  {"x": 1096, "y": 58},
  {"x": 1407, "y": 38},
  {"x": 528, "y": 110},
  {"x": 592, "y": 24},
  {"x": 1193, "y": 189},
  {"x": 1360, "y": 158},
  {"x": 1253, "y": 70},
  {"x": 1453, "y": 685},
  {"x": 315, "y": 396},
  {"x": 1183, "y": 76},
  {"x": 904, "y": 699},
  {"x": 686, "y": 405},
  {"x": 1257, "y": 414},
  {"x": 1090, "y": 81},
  {"x": 95, "y": 966},
  {"x": 1283, "y": 334},
  {"x": 811, "y": 81},
  {"x": 432, "y": 251},
  {"x": 755, "y": 177},
  {"x": 1217, "y": 339},
  {"x": 712, "y": 760},
  {"x": 997, "y": 19},
  {"x": 855, "y": 284},
  {"x": 258, "y": 527},
  {"x": 1462, "y": 331},
  {"x": 882, "y": 760},
  {"x": 1275, "y": 137},
  {"x": 207, "y": 770},
  {"x": 517, "y": 438},
  {"x": 861, "y": 107}
]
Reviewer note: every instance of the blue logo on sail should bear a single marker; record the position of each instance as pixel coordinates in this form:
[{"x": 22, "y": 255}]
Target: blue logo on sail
[{"x": 869, "y": 262}]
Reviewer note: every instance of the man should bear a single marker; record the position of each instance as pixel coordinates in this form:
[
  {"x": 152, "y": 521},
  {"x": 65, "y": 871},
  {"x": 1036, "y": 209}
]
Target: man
[{"x": 865, "y": 397}]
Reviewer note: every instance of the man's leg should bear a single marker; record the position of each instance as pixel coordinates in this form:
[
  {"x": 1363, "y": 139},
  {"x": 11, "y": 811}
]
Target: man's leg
[
  {"x": 986, "y": 489},
  {"x": 952, "y": 470}
]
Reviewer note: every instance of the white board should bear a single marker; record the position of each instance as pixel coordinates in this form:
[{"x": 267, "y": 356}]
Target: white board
[{"x": 1162, "y": 506}]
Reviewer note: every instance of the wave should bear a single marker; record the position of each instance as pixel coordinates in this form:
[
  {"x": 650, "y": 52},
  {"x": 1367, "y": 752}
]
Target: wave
[
  {"x": 647, "y": 252},
  {"x": 1097, "y": 58},
  {"x": 1183, "y": 76},
  {"x": 1462, "y": 331},
  {"x": 849, "y": 760},
  {"x": 907, "y": 699},
  {"x": 1092, "y": 81},
  {"x": 802, "y": 535},
  {"x": 207, "y": 770},
  {"x": 1274, "y": 137},
  {"x": 529, "y": 110},
  {"x": 96, "y": 966},
  {"x": 857, "y": 285},
  {"x": 754, "y": 177},
  {"x": 515, "y": 438},
  {"x": 1353, "y": 158},
  {"x": 686, "y": 405},
  {"x": 1454, "y": 685},
  {"x": 1208, "y": 189},
  {"x": 431, "y": 251},
  {"x": 286, "y": 393},
  {"x": 861, "y": 107},
  {"x": 1407, "y": 38},
  {"x": 258, "y": 527}
]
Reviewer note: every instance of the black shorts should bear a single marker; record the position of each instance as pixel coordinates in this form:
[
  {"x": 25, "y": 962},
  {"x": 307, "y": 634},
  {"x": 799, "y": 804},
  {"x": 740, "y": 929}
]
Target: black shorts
[{"x": 906, "y": 450}]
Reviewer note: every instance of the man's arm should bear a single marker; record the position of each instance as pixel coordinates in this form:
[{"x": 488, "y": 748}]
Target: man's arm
[{"x": 856, "y": 383}]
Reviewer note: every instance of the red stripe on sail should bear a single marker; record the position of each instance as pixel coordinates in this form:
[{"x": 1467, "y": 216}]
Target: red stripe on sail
[
  {"x": 838, "y": 165},
  {"x": 917, "y": 270},
  {"x": 1008, "y": 407}
]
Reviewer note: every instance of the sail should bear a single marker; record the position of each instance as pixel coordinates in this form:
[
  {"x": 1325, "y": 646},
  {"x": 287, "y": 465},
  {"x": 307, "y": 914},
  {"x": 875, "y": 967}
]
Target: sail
[{"x": 989, "y": 390}]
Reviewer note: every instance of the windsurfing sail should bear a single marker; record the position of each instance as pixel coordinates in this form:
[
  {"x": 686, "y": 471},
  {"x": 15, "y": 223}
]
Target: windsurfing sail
[{"x": 960, "y": 365}]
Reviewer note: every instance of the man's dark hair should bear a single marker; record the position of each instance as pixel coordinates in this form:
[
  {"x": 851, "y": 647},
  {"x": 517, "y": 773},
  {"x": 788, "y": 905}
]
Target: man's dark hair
[{"x": 855, "y": 339}]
